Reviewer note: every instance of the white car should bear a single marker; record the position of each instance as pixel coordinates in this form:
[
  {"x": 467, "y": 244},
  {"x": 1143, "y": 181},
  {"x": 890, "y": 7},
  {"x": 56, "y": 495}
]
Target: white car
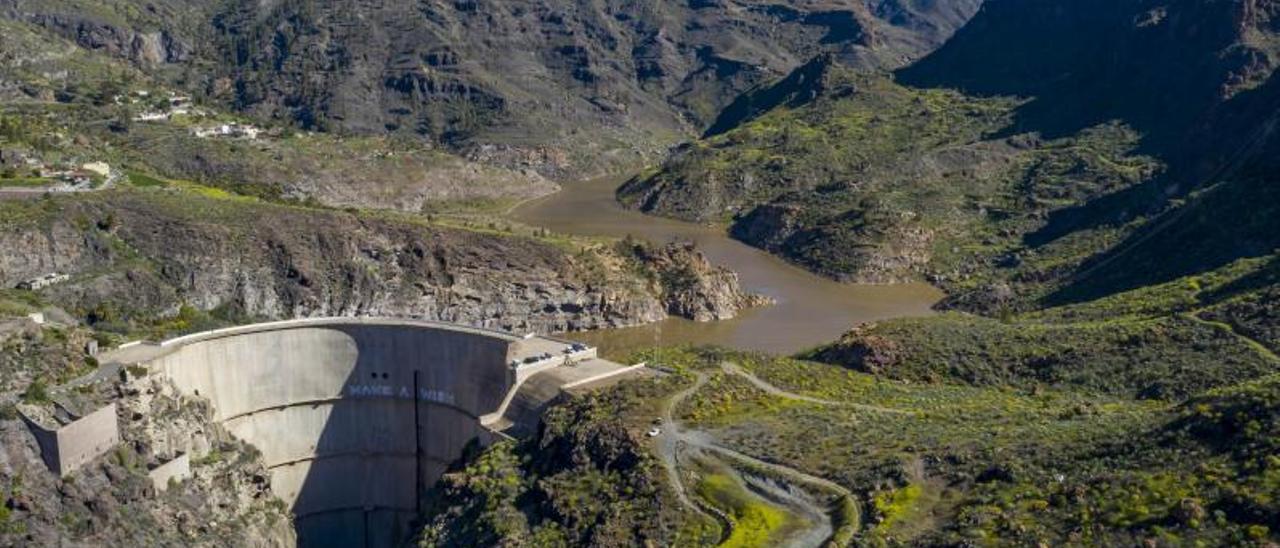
[{"x": 653, "y": 432}]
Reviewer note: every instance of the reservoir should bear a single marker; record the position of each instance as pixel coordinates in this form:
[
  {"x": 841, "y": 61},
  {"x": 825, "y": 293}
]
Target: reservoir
[{"x": 810, "y": 309}]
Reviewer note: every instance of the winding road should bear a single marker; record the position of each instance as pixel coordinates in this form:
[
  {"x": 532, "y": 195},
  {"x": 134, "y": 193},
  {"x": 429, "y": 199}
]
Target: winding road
[
  {"x": 735, "y": 369},
  {"x": 675, "y": 437}
]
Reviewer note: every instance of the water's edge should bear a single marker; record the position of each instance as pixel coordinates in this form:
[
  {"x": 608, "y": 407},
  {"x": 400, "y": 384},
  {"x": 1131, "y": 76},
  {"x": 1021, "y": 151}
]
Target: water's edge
[{"x": 810, "y": 309}]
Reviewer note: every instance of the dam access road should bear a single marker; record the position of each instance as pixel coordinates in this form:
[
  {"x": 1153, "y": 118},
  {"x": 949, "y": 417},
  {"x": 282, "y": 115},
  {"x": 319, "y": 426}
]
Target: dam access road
[{"x": 356, "y": 417}]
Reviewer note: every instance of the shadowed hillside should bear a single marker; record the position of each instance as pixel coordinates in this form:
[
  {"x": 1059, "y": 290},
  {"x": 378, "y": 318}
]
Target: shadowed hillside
[{"x": 1047, "y": 149}]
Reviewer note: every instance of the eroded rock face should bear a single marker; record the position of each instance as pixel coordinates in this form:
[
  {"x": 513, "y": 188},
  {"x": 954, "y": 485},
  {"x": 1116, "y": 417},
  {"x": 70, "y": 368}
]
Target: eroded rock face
[
  {"x": 111, "y": 501},
  {"x": 146, "y": 48},
  {"x": 690, "y": 286},
  {"x": 143, "y": 255}
]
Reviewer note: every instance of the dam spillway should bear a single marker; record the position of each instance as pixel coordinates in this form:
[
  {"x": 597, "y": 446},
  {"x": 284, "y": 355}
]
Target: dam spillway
[{"x": 355, "y": 418}]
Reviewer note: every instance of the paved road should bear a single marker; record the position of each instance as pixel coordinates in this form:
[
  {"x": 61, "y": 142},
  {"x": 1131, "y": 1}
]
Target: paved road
[
  {"x": 103, "y": 372},
  {"x": 111, "y": 362},
  {"x": 27, "y": 192}
]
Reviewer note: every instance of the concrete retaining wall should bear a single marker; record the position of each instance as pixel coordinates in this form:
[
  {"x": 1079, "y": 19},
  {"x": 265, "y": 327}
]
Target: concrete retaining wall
[
  {"x": 67, "y": 448},
  {"x": 177, "y": 469}
]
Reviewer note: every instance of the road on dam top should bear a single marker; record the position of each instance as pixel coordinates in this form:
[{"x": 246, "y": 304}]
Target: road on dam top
[{"x": 810, "y": 309}]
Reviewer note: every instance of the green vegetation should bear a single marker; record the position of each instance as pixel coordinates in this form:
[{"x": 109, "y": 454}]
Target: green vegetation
[
  {"x": 144, "y": 180},
  {"x": 869, "y": 177},
  {"x": 847, "y": 522},
  {"x": 947, "y": 462},
  {"x": 875, "y": 181},
  {"x": 373, "y": 172},
  {"x": 36, "y": 393},
  {"x": 15, "y": 302},
  {"x": 986, "y": 464},
  {"x": 30, "y": 182},
  {"x": 893, "y": 505},
  {"x": 1149, "y": 343},
  {"x": 1118, "y": 385},
  {"x": 754, "y": 523},
  {"x": 584, "y": 479}
]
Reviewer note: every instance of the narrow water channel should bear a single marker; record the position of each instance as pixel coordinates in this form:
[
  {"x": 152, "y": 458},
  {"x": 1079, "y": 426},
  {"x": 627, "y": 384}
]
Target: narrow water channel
[{"x": 810, "y": 310}]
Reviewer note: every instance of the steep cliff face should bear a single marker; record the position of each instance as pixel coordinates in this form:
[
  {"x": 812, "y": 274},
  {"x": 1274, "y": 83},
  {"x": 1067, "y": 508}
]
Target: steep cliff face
[
  {"x": 642, "y": 68},
  {"x": 1161, "y": 66},
  {"x": 1196, "y": 81},
  {"x": 134, "y": 254}
]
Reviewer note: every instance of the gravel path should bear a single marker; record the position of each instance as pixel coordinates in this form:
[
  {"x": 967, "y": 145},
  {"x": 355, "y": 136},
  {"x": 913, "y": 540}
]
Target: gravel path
[{"x": 675, "y": 437}]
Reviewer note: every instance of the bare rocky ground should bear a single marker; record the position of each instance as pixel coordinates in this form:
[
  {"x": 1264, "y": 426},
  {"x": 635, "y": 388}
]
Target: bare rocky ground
[
  {"x": 112, "y": 502},
  {"x": 142, "y": 254}
]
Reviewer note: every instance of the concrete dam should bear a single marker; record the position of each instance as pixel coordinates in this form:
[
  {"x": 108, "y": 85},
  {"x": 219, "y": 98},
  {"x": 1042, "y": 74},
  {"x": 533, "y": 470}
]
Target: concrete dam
[{"x": 356, "y": 418}]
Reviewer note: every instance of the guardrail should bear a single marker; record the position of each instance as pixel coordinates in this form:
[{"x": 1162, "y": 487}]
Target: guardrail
[{"x": 330, "y": 321}]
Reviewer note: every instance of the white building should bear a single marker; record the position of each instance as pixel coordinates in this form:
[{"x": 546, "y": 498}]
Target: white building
[
  {"x": 151, "y": 117},
  {"x": 36, "y": 284}
]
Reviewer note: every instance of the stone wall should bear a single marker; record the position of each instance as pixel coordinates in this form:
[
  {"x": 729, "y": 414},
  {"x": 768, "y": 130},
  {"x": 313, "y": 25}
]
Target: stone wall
[
  {"x": 67, "y": 448},
  {"x": 177, "y": 469}
]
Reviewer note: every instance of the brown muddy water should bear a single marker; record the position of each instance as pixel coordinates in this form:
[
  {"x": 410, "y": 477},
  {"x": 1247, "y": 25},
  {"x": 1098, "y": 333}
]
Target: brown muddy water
[{"x": 810, "y": 310}]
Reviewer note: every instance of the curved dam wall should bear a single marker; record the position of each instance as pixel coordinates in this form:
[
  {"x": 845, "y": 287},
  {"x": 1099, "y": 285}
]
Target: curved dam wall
[{"x": 354, "y": 418}]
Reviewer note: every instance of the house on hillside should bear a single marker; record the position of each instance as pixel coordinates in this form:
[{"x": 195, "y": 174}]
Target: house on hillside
[
  {"x": 36, "y": 284},
  {"x": 154, "y": 116},
  {"x": 233, "y": 130}
]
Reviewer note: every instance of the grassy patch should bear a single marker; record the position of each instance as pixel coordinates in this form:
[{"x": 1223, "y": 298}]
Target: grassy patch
[
  {"x": 894, "y": 505},
  {"x": 990, "y": 464},
  {"x": 755, "y": 523},
  {"x": 143, "y": 180}
]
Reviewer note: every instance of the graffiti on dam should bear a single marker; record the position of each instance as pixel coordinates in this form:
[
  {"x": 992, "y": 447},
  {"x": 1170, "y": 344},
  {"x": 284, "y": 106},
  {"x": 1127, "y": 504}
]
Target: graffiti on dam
[{"x": 401, "y": 392}]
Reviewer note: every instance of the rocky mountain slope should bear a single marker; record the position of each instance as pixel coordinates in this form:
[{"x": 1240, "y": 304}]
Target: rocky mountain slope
[
  {"x": 568, "y": 86},
  {"x": 1010, "y": 153},
  {"x": 1097, "y": 181},
  {"x": 1195, "y": 80},
  {"x": 62, "y": 105},
  {"x": 75, "y": 94},
  {"x": 113, "y": 501},
  {"x": 1092, "y": 182}
]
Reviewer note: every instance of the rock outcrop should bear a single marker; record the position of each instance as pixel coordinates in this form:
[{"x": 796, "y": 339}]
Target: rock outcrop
[
  {"x": 142, "y": 254},
  {"x": 111, "y": 501},
  {"x": 689, "y": 285},
  {"x": 138, "y": 41}
]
